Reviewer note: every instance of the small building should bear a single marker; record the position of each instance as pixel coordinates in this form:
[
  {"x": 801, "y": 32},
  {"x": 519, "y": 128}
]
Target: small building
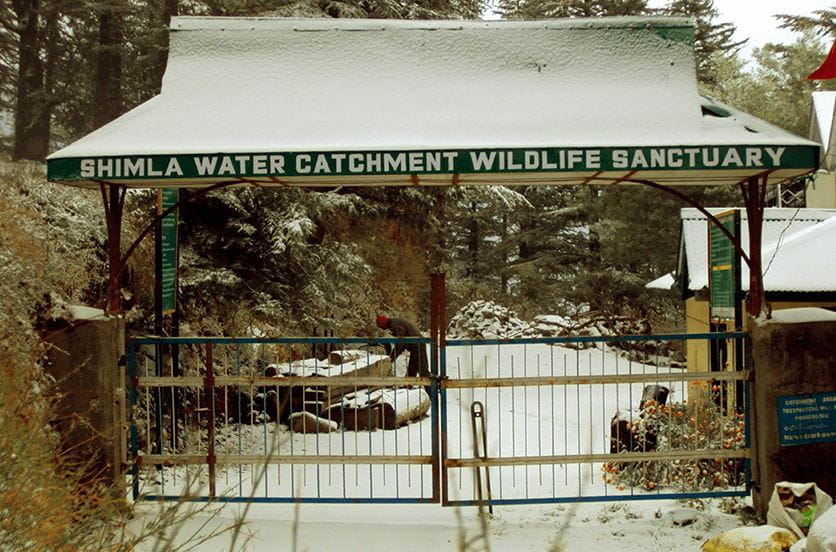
[
  {"x": 819, "y": 190},
  {"x": 799, "y": 266}
]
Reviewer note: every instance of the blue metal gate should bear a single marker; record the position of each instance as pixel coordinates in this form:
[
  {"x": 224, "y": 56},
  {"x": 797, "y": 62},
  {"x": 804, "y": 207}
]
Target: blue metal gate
[
  {"x": 204, "y": 413},
  {"x": 582, "y": 419},
  {"x": 536, "y": 420}
]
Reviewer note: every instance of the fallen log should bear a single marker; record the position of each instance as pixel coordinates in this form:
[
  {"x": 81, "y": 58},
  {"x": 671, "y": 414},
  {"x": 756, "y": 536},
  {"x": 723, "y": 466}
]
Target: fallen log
[
  {"x": 305, "y": 422},
  {"x": 345, "y": 355},
  {"x": 290, "y": 400},
  {"x": 381, "y": 408}
]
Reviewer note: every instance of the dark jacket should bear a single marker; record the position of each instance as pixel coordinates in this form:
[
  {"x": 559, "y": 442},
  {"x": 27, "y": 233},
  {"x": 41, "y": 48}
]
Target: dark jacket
[{"x": 418, "y": 363}]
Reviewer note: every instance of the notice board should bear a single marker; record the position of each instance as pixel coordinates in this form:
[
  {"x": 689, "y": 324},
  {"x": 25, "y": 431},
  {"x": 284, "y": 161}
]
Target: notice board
[
  {"x": 804, "y": 419},
  {"x": 724, "y": 268}
]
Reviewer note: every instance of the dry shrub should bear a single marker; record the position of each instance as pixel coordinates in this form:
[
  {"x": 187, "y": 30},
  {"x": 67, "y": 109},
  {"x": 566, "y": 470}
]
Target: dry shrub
[
  {"x": 46, "y": 503},
  {"x": 678, "y": 427},
  {"x": 52, "y": 244}
]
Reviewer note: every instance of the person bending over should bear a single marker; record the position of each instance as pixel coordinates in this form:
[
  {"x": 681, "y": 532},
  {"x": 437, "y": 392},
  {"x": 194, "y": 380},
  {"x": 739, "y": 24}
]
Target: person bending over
[{"x": 418, "y": 363}]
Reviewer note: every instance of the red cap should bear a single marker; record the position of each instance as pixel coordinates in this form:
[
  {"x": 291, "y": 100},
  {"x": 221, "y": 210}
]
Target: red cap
[{"x": 382, "y": 321}]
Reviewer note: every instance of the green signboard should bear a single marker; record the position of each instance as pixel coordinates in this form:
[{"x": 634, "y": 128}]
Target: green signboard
[
  {"x": 723, "y": 268},
  {"x": 168, "y": 250},
  {"x": 454, "y": 161}
]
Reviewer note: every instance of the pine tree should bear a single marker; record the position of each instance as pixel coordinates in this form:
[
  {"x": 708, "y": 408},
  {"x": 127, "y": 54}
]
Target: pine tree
[
  {"x": 539, "y": 9},
  {"x": 712, "y": 41},
  {"x": 821, "y": 22},
  {"x": 776, "y": 88},
  {"x": 480, "y": 226}
]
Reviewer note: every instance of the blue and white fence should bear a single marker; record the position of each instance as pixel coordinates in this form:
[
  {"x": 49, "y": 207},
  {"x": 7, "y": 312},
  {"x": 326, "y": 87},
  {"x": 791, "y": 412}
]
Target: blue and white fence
[{"x": 565, "y": 419}]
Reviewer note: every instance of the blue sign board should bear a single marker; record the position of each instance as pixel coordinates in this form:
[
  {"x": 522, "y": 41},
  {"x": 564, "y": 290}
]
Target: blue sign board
[{"x": 806, "y": 419}]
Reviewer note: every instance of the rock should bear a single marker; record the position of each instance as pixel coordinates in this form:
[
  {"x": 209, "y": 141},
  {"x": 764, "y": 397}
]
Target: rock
[
  {"x": 764, "y": 538},
  {"x": 683, "y": 516},
  {"x": 485, "y": 319}
]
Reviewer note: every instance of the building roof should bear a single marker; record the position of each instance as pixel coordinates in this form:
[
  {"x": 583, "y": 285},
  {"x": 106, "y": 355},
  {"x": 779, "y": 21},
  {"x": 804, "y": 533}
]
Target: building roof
[
  {"x": 666, "y": 281},
  {"x": 325, "y": 102},
  {"x": 798, "y": 250},
  {"x": 822, "y": 128}
]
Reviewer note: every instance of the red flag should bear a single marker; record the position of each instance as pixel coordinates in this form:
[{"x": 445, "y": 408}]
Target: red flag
[{"x": 827, "y": 70}]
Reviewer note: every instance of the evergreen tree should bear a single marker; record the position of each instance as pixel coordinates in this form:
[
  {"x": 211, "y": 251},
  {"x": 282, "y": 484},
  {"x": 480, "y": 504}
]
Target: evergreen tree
[
  {"x": 712, "y": 41},
  {"x": 821, "y": 22},
  {"x": 480, "y": 225},
  {"x": 539, "y": 9},
  {"x": 776, "y": 89}
]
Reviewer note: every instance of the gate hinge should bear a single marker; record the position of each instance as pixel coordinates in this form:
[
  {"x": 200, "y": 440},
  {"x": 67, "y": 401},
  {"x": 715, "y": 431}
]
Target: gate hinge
[{"x": 123, "y": 361}]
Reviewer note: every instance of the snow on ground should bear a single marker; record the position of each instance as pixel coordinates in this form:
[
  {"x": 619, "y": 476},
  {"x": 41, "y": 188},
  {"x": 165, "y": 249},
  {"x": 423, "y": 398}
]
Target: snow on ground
[
  {"x": 521, "y": 421},
  {"x": 624, "y": 527}
]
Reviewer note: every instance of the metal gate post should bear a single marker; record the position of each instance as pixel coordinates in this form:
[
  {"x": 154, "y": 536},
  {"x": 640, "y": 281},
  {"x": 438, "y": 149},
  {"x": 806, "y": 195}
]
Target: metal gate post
[
  {"x": 748, "y": 416},
  {"x": 436, "y": 467},
  {"x": 132, "y": 420},
  {"x": 209, "y": 391},
  {"x": 438, "y": 325}
]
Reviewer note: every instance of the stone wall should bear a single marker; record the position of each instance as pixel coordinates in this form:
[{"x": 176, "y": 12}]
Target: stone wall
[
  {"x": 84, "y": 360},
  {"x": 790, "y": 359}
]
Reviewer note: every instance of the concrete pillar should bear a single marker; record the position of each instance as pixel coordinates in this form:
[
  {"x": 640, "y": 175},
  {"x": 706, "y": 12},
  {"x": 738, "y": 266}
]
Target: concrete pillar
[
  {"x": 792, "y": 355},
  {"x": 83, "y": 357}
]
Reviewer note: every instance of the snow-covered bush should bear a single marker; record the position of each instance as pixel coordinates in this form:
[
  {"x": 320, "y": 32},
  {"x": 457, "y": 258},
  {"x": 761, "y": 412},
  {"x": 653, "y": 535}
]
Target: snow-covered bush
[
  {"x": 485, "y": 320},
  {"x": 681, "y": 427}
]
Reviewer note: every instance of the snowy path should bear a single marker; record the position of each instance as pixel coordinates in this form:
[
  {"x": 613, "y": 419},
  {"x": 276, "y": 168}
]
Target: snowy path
[
  {"x": 539, "y": 420},
  {"x": 521, "y": 421},
  {"x": 630, "y": 527}
]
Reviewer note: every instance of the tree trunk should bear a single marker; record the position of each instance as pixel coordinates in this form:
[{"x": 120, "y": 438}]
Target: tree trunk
[
  {"x": 594, "y": 262},
  {"x": 31, "y": 109},
  {"x": 503, "y": 278},
  {"x": 170, "y": 9},
  {"x": 108, "y": 91},
  {"x": 473, "y": 242}
]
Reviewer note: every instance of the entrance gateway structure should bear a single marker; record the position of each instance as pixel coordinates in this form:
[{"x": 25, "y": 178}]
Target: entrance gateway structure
[{"x": 316, "y": 102}]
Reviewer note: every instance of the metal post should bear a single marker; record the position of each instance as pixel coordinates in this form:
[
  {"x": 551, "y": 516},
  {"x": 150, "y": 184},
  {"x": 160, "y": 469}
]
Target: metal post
[
  {"x": 132, "y": 420},
  {"x": 209, "y": 392},
  {"x": 113, "y": 198},
  {"x": 477, "y": 410},
  {"x": 439, "y": 427},
  {"x": 437, "y": 468},
  {"x": 754, "y": 191}
]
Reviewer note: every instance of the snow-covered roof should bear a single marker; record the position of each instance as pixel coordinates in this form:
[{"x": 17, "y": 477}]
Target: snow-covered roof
[
  {"x": 665, "y": 282},
  {"x": 822, "y": 128},
  {"x": 374, "y": 102},
  {"x": 802, "y": 315},
  {"x": 798, "y": 249}
]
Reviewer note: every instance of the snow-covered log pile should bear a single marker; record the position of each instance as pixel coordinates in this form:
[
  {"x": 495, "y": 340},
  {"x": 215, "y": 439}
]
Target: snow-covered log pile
[
  {"x": 488, "y": 320},
  {"x": 549, "y": 325},
  {"x": 485, "y": 320},
  {"x": 596, "y": 324},
  {"x": 585, "y": 324},
  {"x": 381, "y": 408},
  {"x": 322, "y": 408}
]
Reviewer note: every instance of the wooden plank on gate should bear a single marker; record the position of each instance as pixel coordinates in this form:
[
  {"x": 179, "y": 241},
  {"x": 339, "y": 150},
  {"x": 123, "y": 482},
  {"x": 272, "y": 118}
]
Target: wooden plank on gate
[
  {"x": 290, "y": 381},
  {"x": 533, "y": 381},
  {"x": 234, "y": 459},
  {"x": 603, "y": 457}
]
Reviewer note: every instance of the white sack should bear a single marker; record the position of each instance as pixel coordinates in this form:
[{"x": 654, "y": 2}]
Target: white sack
[
  {"x": 822, "y": 537},
  {"x": 779, "y": 516}
]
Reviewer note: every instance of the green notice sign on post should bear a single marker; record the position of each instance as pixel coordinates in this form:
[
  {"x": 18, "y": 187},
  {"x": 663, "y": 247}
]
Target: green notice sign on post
[
  {"x": 168, "y": 250},
  {"x": 723, "y": 268}
]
